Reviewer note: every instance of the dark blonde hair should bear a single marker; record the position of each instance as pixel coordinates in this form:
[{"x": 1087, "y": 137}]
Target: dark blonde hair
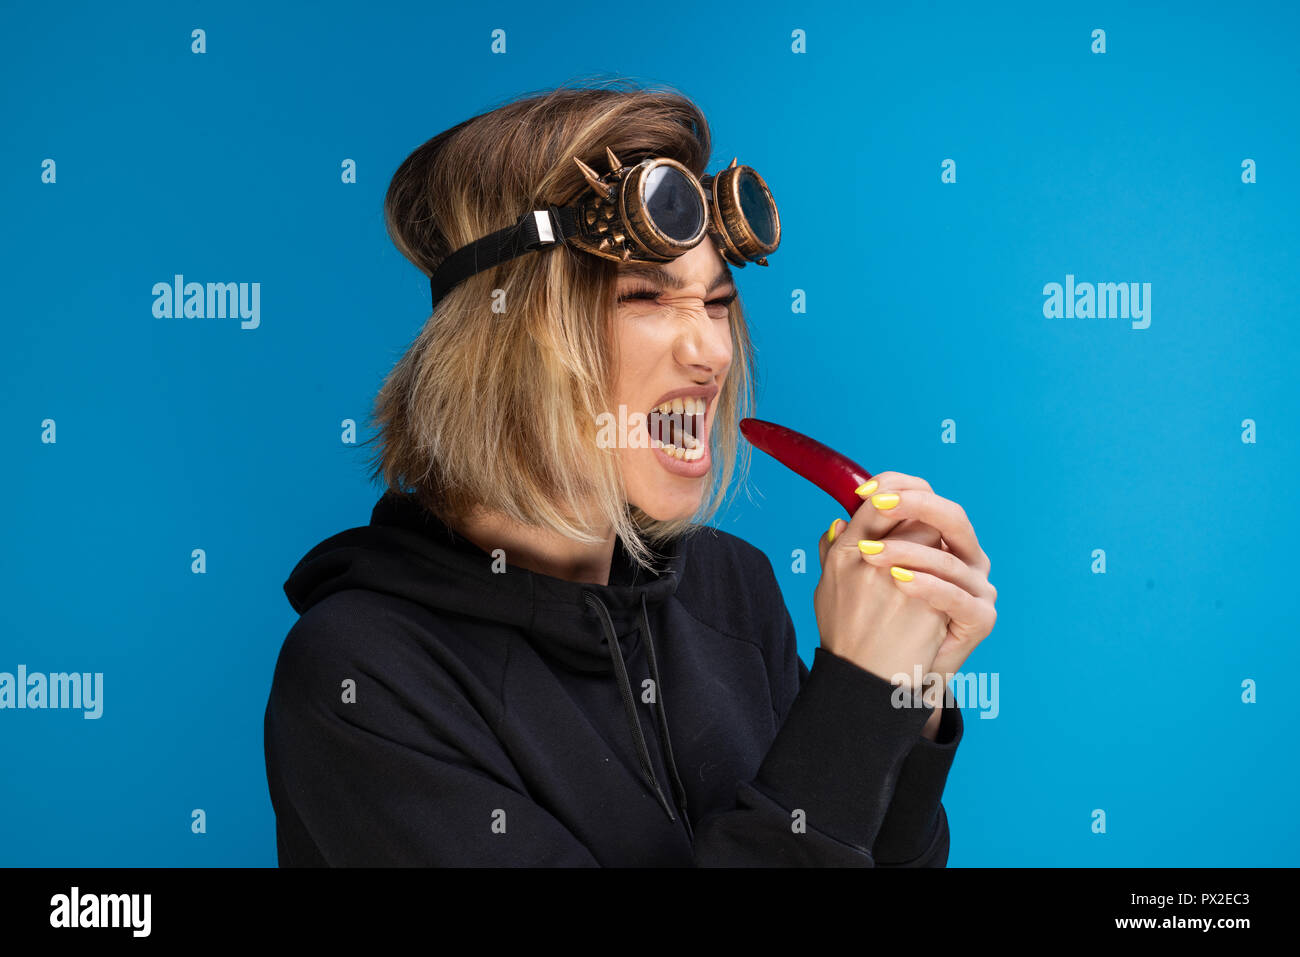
[{"x": 498, "y": 409}]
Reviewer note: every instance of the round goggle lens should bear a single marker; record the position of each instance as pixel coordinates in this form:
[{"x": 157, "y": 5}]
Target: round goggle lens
[
  {"x": 757, "y": 208},
  {"x": 673, "y": 204}
]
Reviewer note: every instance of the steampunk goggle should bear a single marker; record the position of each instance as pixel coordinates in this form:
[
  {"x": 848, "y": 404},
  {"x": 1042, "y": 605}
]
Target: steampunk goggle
[{"x": 654, "y": 211}]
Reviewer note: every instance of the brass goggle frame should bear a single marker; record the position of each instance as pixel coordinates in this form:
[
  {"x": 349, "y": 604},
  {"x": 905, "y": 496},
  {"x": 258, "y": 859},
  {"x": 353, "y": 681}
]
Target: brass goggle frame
[{"x": 616, "y": 221}]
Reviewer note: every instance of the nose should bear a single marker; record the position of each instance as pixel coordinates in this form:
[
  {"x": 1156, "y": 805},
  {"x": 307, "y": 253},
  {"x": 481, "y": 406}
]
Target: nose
[{"x": 704, "y": 343}]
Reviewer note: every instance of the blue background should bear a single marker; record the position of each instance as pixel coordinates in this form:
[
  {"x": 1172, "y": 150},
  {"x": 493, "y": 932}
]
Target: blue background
[{"x": 1119, "y": 691}]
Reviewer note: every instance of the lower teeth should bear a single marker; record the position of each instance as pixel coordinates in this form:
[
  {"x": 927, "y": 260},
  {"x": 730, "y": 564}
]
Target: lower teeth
[
  {"x": 685, "y": 455},
  {"x": 662, "y": 424}
]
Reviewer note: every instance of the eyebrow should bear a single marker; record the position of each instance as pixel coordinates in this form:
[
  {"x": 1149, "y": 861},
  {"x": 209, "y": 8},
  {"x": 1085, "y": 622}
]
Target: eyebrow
[{"x": 660, "y": 274}]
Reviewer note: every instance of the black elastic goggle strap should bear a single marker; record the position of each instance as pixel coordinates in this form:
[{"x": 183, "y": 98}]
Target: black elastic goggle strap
[{"x": 536, "y": 229}]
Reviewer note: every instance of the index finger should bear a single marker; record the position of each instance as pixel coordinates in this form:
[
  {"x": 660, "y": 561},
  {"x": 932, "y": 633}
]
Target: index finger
[
  {"x": 942, "y": 514},
  {"x": 868, "y": 522}
]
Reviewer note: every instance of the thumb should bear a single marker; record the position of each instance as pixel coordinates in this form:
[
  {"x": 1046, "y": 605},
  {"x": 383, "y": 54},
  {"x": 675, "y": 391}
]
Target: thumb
[{"x": 824, "y": 543}]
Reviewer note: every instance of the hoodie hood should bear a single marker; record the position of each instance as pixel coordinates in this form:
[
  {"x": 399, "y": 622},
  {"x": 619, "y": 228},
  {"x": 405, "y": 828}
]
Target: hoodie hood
[{"x": 408, "y": 552}]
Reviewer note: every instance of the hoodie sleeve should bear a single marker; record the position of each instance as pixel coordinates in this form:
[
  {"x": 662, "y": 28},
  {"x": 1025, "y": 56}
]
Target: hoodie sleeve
[
  {"x": 916, "y": 810},
  {"x": 848, "y": 780}
]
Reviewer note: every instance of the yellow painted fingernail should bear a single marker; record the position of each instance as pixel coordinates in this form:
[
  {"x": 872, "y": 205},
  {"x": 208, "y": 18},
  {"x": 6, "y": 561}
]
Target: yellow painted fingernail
[
  {"x": 866, "y": 488},
  {"x": 868, "y": 547},
  {"x": 902, "y": 574},
  {"x": 831, "y": 533},
  {"x": 885, "y": 500}
]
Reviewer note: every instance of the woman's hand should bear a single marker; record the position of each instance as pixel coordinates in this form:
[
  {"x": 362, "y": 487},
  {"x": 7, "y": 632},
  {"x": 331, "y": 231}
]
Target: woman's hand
[
  {"x": 952, "y": 576},
  {"x": 861, "y": 613}
]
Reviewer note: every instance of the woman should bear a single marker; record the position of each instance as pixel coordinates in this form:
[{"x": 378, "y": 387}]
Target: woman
[{"x": 536, "y": 653}]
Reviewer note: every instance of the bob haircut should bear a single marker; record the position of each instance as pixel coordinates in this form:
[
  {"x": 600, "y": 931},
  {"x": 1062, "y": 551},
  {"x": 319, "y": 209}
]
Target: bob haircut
[{"x": 496, "y": 404}]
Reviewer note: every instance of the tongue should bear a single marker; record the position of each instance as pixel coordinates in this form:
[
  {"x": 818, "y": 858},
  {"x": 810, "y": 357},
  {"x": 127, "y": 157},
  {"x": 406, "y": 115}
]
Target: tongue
[{"x": 668, "y": 428}]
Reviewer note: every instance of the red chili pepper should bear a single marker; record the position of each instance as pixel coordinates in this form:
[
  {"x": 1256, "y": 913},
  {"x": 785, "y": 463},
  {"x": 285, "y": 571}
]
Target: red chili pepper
[{"x": 831, "y": 472}]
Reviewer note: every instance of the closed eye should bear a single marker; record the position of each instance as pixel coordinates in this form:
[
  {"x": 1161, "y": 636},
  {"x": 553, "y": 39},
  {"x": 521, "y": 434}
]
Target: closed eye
[{"x": 653, "y": 294}]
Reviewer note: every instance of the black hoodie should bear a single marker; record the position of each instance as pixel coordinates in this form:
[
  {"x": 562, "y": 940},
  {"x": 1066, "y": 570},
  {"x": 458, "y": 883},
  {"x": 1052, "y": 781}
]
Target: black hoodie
[{"x": 434, "y": 705}]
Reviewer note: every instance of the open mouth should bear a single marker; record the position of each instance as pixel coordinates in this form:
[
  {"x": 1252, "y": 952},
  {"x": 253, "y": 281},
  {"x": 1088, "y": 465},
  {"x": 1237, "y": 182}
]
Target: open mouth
[{"x": 677, "y": 425}]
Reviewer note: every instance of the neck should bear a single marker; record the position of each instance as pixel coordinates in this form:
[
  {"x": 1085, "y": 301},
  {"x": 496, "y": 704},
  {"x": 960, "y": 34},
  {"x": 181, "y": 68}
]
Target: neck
[{"x": 540, "y": 550}]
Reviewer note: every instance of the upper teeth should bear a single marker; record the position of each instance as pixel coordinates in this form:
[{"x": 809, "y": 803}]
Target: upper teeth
[
  {"x": 682, "y": 406},
  {"x": 687, "y": 405}
]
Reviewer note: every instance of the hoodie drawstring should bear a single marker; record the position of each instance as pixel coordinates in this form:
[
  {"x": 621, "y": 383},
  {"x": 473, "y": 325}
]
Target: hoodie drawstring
[
  {"x": 629, "y": 703},
  {"x": 663, "y": 719}
]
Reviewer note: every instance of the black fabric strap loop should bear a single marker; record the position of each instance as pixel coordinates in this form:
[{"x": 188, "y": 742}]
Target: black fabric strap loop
[{"x": 501, "y": 246}]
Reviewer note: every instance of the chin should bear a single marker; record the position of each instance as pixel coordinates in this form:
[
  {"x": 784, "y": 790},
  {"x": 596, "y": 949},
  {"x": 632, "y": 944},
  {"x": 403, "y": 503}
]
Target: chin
[
  {"x": 661, "y": 495},
  {"x": 668, "y": 513},
  {"x": 666, "y": 508}
]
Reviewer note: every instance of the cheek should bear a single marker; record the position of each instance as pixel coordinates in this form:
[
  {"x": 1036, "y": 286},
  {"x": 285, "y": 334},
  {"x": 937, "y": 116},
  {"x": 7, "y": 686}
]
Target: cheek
[
  {"x": 637, "y": 352},
  {"x": 637, "y": 479}
]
